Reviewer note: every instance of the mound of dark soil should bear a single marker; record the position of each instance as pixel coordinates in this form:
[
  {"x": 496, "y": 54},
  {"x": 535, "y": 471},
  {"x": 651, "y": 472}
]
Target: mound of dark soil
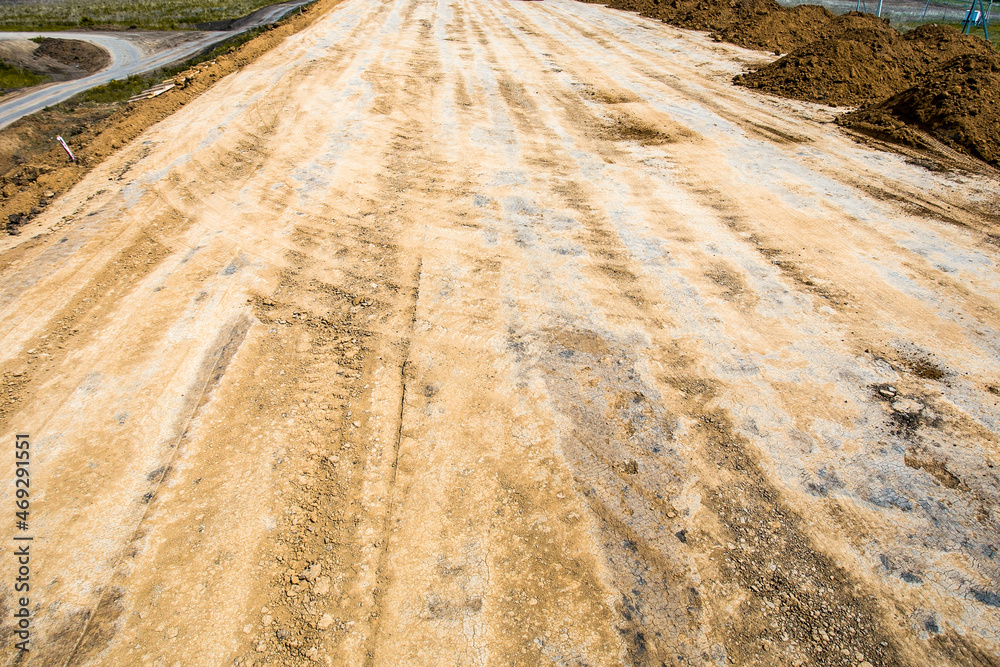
[
  {"x": 77, "y": 54},
  {"x": 938, "y": 44},
  {"x": 860, "y": 59},
  {"x": 958, "y": 104},
  {"x": 758, "y": 24},
  {"x": 780, "y": 30}
]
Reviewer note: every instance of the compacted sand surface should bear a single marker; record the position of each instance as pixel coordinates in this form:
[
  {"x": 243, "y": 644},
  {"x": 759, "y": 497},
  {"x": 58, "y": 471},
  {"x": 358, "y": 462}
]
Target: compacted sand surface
[{"x": 501, "y": 333}]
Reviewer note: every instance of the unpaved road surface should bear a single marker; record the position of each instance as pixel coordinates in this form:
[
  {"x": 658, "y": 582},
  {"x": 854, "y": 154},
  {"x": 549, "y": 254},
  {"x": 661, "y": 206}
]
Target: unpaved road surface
[{"x": 496, "y": 333}]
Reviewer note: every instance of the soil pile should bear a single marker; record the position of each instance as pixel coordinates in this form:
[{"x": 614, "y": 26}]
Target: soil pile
[
  {"x": 80, "y": 55},
  {"x": 780, "y": 30},
  {"x": 59, "y": 59},
  {"x": 758, "y": 24},
  {"x": 958, "y": 104},
  {"x": 932, "y": 78},
  {"x": 860, "y": 59}
]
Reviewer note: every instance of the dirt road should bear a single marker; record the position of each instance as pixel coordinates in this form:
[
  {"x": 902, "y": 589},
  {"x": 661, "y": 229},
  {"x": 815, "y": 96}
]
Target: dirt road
[{"x": 499, "y": 333}]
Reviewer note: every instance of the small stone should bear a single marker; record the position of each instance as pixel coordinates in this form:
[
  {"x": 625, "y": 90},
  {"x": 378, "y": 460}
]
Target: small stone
[
  {"x": 325, "y": 622},
  {"x": 267, "y": 620},
  {"x": 313, "y": 571},
  {"x": 322, "y": 586}
]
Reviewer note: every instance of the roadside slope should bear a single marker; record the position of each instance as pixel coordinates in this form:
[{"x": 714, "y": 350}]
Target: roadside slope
[{"x": 32, "y": 172}]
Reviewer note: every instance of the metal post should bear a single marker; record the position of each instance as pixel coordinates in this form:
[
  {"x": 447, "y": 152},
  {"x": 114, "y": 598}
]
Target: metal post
[
  {"x": 986, "y": 19},
  {"x": 967, "y": 22},
  {"x": 924, "y": 13},
  {"x": 879, "y": 8}
]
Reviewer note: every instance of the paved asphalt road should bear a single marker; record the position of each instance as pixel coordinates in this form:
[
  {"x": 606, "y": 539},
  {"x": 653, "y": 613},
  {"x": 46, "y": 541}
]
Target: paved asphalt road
[{"x": 127, "y": 58}]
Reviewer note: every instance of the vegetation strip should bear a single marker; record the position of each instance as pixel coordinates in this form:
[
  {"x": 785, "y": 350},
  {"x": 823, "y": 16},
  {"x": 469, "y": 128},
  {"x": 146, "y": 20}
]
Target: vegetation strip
[{"x": 116, "y": 14}]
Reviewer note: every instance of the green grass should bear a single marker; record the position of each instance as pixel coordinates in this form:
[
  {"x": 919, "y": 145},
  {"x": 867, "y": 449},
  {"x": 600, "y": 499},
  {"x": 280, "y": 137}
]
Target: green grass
[
  {"x": 152, "y": 14},
  {"x": 15, "y": 77}
]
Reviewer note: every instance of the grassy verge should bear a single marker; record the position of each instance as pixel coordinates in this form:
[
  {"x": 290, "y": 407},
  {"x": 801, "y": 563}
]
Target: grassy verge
[
  {"x": 14, "y": 77},
  {"x": 151, "y": 14}
]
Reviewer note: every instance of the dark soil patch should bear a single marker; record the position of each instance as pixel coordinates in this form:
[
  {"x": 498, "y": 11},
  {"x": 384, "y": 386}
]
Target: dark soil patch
[
  {"x": 25, "y": 63},
  {"x": 85, "y": 56},
  {"x": 761, "y": 24},
  {"x": 860, "y": 59}
]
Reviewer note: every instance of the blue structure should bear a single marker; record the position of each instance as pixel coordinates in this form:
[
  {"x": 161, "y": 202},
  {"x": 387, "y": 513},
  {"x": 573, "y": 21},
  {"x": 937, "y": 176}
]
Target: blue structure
[{"x": 976, "y": 17}]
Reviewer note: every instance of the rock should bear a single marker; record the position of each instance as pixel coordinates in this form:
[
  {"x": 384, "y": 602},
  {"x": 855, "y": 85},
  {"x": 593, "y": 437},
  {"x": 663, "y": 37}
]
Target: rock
[
  {"x": 325, "y": 622},
  {"x": 322, "y": 586},
  {"x": 313, "y": 571}
]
